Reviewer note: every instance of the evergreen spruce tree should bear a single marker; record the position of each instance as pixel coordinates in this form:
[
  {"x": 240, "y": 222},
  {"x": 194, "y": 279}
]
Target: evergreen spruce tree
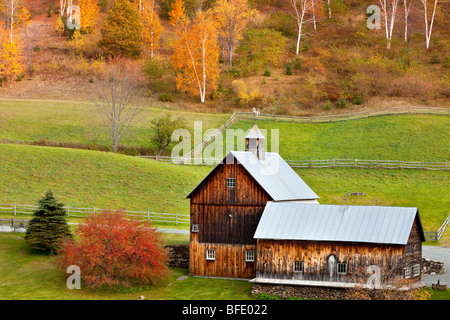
[
  {"x": 122, "y": 30},
  {"x": 48, "y": 225}
]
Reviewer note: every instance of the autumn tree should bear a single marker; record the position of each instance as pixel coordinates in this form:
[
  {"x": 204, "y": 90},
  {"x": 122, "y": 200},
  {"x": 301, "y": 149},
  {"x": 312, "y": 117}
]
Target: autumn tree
[
  {"x": 11, "y": 60},
  {"x": 232, "y": 17},
  {"x": 177, "y": 13},
  {"x": 151, "y": 26},
  {"x": 89, "y": 10},
  {"x": 301, "y": 10},
  {"x": 389, "y": 8},
  {"x": 115, "y": 252},
  {"x": 10, "y": 8},
  {"x": 196, "y": 55},
  {"x": 429, "y": 13},
  {"x": 48, "y": 227},
  {"x": 119, "y": 105},
  {"x": 122, "y": 30}
]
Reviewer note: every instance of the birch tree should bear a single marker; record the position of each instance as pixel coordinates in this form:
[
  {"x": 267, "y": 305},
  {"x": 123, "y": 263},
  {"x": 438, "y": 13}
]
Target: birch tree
[
  {"x": 196, "y": 55},
  {"x": 10, "y": 8},
  {"x": 151, "y": 26},
  {"x": 389, "y": 8},
  {"x": 118, "y": 106},
  {"x": 407, "y": 4},
  {"x": 428, "y": 22},
  {"x": 301, "y": 9}
]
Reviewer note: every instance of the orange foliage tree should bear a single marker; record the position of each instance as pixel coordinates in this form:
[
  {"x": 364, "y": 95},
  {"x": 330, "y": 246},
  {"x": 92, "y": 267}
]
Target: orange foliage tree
[
  {"x": 10, "y": 59},
  {"x": 196, "y": 55},
  {"x": 232, "y": 17},
  {"x": 151, "y": 26},
  {"x": 177, "y": 13},
  {"x": 89, "y": 10},
  {"x": 114, "y": 252}
]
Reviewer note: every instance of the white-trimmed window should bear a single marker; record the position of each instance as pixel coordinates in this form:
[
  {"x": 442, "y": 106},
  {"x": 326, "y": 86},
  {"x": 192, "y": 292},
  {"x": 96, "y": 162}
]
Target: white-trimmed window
[
  {"x": 249, "y": 256},
  {"x": 342, "y": 268},
  {"x": 416, "y": 270},
  {"x": 298, "y": 266},
  {"x": 407, "y": 272},
  {"x": 231, "y": 182},
  {"x": 211, "y": 254},
  {"x": 195, "y": 228}
]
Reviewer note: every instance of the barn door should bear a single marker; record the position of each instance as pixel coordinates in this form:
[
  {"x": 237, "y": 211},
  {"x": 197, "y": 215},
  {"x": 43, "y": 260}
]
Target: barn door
[{"x": 331, "y": 267}]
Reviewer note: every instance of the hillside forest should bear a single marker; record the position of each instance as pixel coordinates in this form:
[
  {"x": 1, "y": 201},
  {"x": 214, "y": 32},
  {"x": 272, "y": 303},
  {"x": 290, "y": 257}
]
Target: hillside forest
[{"x": 292, "y": 57}]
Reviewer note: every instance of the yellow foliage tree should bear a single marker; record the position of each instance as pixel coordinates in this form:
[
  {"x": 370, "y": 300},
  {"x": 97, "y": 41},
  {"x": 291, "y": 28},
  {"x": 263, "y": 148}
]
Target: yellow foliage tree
[
  {"x": 177, "y": 13},
  {"x": 151, "y": 26},
  {"x": 196, "y": 55},
  {"x": 11, "y": 60},
  {"x": 232, "y": 17},
  {"x": 89, "y": 10}
]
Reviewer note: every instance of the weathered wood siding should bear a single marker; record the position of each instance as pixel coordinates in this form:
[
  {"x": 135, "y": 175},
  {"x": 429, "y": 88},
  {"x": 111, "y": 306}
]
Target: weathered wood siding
[
  {"x": 227, "y": 219},
  {"x": 275, "y": 259},
  {"x": 229, "y": 263}
]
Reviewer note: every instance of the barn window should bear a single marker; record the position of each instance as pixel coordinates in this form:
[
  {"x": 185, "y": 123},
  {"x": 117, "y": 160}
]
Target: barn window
[
  {"x": 195, "y": 228},
  {"x": 416, "y": 270},
  {"x": 231, "y": 182},
  {"x": 210, "y": 254},
  {"x": 249, "y": 256},
  {"x": 407, "y": 272},
  {"x": 298, "y": 266},
  {"x": 342, "y": 268}
]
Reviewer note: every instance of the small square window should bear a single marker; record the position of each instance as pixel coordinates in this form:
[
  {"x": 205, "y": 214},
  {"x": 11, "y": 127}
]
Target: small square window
[
  {"x": 195, "y": 228},
  {"x": 249, "y": 256},
  {"x": 342, "y": 268},
  {"x": 407, "y": 273},
  {"x": 416, "y": 270},
  {"x": 298, "y": 266},
  {"x": 231, "y": 182},
  {"x": 210, "y": 254}
]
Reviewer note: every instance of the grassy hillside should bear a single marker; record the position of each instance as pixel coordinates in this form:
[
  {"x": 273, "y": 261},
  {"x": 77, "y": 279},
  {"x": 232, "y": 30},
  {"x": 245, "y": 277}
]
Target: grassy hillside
[
  {"x": 403, "y": 137},
  {"x": 88, "y": 178},
  {"x": 105, "y": 180},
  {"x": 77, "y": 122}
]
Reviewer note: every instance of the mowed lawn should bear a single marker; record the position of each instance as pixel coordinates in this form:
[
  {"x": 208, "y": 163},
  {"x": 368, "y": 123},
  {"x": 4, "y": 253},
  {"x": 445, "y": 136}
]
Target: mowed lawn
[{"x": 26, "y": 276}]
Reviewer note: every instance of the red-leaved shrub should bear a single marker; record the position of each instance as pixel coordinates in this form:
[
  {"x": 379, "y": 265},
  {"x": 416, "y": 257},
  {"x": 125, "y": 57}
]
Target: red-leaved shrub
[{"x": 115, "y": 252}]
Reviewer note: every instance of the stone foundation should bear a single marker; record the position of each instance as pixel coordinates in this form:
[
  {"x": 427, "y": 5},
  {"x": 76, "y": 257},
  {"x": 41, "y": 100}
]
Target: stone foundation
[
  {"x": 284, "y": 291},
  {"x": 178, "y": 255}
]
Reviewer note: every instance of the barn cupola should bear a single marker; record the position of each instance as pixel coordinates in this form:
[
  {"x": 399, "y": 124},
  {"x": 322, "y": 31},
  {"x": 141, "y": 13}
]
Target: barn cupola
[{"x": 254, "y": 142}]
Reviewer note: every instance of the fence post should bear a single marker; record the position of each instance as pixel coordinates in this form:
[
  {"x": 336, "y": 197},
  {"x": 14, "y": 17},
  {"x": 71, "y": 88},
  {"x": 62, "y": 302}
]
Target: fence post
[
  {"x": 15, "y": 208},
  {"x": 68, "y": 210},
  {"x": 176, "y": 218},
  {"x": 93, "y": 210},
  {"x": 148, "y": 215}
]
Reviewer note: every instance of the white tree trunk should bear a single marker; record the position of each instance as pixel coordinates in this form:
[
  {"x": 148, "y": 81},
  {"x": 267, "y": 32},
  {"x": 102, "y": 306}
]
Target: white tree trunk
[{"x": 428, "y": 27}]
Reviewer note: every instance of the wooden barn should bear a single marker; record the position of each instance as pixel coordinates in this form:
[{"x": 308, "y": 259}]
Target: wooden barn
[
  {"x": 333, "y": 245},
  {"x": 227, "y": 205},
  {"x": 253, "y": 217}
]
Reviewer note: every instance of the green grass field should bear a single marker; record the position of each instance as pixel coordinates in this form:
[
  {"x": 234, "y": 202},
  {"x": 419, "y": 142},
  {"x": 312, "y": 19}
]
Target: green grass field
[
  {"x": 82, "y": 178},
  {"x": 78, "y": 122},
  {"x": 26, "y": 276},
  {"x": 400, "y": 137}
]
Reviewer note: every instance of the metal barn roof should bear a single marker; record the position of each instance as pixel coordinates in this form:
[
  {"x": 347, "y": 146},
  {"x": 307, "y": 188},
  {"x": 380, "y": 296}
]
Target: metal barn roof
[
  {"x": 273, "y": 174},
  {"x": 316, "y": 222}
]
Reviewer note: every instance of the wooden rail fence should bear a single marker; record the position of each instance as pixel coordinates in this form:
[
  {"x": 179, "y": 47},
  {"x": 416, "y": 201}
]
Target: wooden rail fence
[
  {"x": 345, "y": 116},
  {"x": 15, "y": 208},
  {"x": 327, "y": 163},
  {"x": 436, "y": 235}
]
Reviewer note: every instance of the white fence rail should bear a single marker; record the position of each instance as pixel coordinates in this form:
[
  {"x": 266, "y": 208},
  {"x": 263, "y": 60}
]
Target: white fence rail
[
  {"x": 436, "y": 235},
  {"x": 15, "y": 208}
]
